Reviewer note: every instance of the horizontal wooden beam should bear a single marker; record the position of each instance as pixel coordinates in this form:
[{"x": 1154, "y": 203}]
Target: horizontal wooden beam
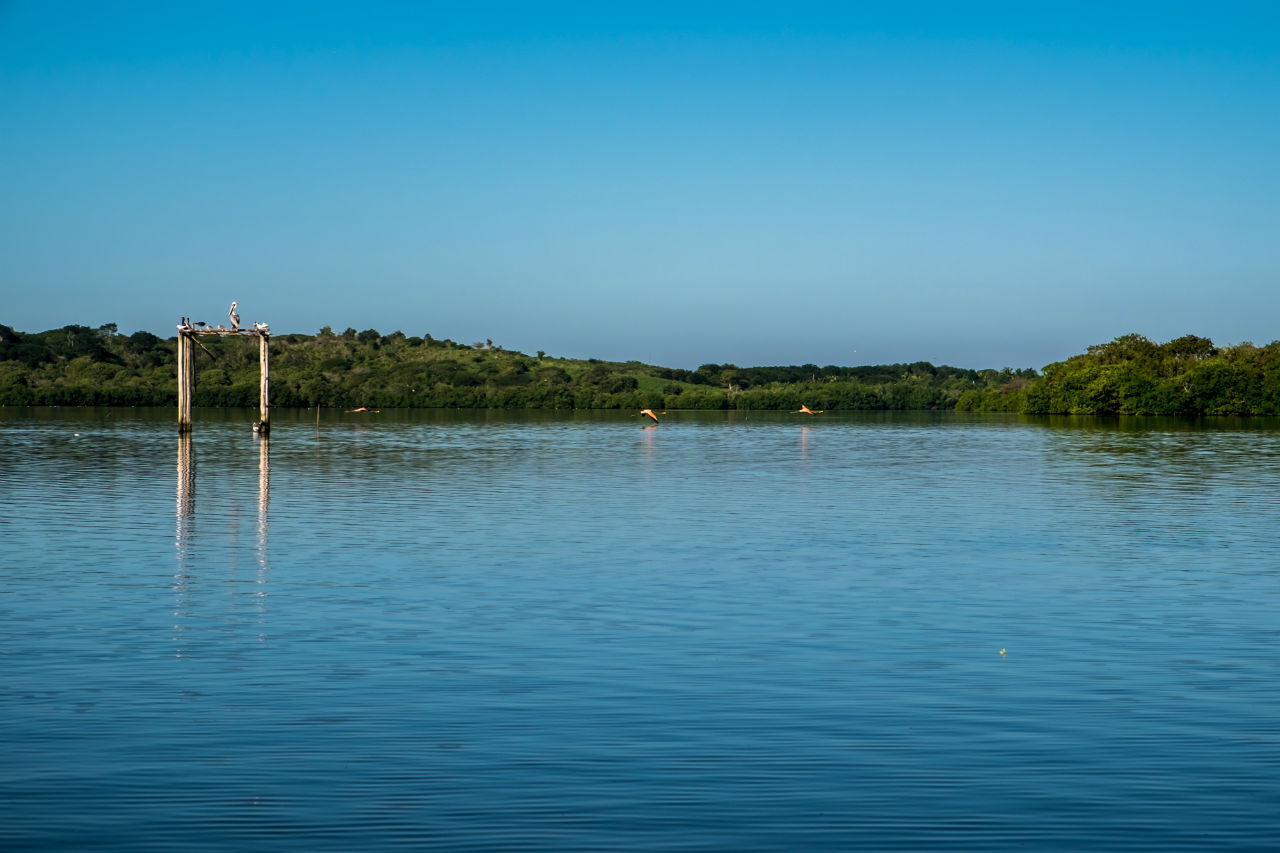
[{"x": 225, "y": 332}]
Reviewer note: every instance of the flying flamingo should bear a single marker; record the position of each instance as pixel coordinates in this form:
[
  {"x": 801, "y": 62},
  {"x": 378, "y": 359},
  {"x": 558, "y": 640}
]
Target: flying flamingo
[
  {"x": 650, "y": 413},
  {"x": 808, "y": 411}
]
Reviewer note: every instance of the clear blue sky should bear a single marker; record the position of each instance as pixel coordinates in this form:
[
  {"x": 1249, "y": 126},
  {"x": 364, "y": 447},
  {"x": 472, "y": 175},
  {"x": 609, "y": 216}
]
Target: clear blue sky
[{"x": 977, "y": 184}]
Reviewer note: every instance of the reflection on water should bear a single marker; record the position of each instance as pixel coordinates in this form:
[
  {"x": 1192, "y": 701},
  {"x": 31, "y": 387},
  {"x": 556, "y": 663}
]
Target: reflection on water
[
  {"x": 566, "y": 631},
  {"x": 183, "y": 536},
  {"x": 264, "y": 501},
  {"x": 186, "y": 484},
  {"x": 188, "y": 557}
]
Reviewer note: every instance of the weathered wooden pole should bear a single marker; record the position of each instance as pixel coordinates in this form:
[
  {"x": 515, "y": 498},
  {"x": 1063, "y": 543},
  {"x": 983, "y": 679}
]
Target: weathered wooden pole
[
  {"x": 186, "y": 376},
  {"x": 264, "y": 385}
]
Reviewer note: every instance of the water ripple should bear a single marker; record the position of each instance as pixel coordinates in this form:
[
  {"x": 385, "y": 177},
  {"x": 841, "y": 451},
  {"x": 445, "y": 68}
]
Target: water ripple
[{"x": 472, "y": 631}]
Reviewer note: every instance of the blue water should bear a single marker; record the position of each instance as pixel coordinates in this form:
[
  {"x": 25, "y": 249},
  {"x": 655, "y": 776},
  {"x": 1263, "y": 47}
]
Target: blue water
[{"x": 557, "y": 631}]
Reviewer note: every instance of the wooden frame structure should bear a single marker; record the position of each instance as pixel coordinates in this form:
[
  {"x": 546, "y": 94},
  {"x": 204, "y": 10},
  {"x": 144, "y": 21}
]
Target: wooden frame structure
[{"x": 188, "y": 332}]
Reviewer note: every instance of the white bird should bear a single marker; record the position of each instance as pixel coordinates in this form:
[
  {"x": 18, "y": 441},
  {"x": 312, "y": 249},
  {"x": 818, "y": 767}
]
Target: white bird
[
  {"x": 261, "y": 327},
  {"x": 235, "y": 318}
]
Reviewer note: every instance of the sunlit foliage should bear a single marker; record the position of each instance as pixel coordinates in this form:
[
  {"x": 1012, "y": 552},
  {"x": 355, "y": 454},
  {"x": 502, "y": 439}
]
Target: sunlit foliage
[
  {"x": 79, "y": 365},
  {"x": 1186, "y": 376}
]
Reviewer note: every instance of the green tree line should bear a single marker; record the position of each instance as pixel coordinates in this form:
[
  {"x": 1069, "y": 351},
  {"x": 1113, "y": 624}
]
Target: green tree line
[
  {"x": 1185, "y": 376},
  {"x": 86, "y": 366}
]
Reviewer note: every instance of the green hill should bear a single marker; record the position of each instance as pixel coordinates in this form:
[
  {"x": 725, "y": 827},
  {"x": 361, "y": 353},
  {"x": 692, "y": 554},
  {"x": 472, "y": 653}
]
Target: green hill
[{"x": 84, "y": 366}]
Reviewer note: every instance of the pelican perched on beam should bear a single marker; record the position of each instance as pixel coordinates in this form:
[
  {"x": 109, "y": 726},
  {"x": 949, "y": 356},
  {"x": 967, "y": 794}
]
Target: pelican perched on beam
[
  {"x": 808, "y": 411},
  {"x": 235, "y": 318}
]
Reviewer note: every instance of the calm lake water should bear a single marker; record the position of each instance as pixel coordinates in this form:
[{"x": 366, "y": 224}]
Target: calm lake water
[{"x": 492, "y": 630}]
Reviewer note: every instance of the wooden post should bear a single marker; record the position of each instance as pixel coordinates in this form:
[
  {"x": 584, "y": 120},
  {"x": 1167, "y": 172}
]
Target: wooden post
[
  {"x": 187, "y": 341},
  {"x": 186, "y": 376},
  {"x": 264, "y": 385}
]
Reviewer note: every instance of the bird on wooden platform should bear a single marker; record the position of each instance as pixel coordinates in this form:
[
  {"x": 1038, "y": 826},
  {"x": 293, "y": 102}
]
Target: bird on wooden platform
[
  {"x": 235, "y": 318},
  {"x": 808, "y": 411},
  {"x": 650, "y": 413},
  {"x": 200, "y": 323}
]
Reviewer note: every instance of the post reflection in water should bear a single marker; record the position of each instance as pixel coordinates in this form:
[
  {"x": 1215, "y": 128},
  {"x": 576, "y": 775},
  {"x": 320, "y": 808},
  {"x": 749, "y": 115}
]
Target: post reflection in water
[
  {"x": 264, "y": 500},
  {"x": 185, "y": 538},
  {"x": 186, "y": 486},
  {"x": 186, "y": 511}
]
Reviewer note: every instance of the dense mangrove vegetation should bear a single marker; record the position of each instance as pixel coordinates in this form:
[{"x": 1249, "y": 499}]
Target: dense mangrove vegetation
[
  {"x": 1186, "y": 376},
  {"x": 86, "y": 366}
]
